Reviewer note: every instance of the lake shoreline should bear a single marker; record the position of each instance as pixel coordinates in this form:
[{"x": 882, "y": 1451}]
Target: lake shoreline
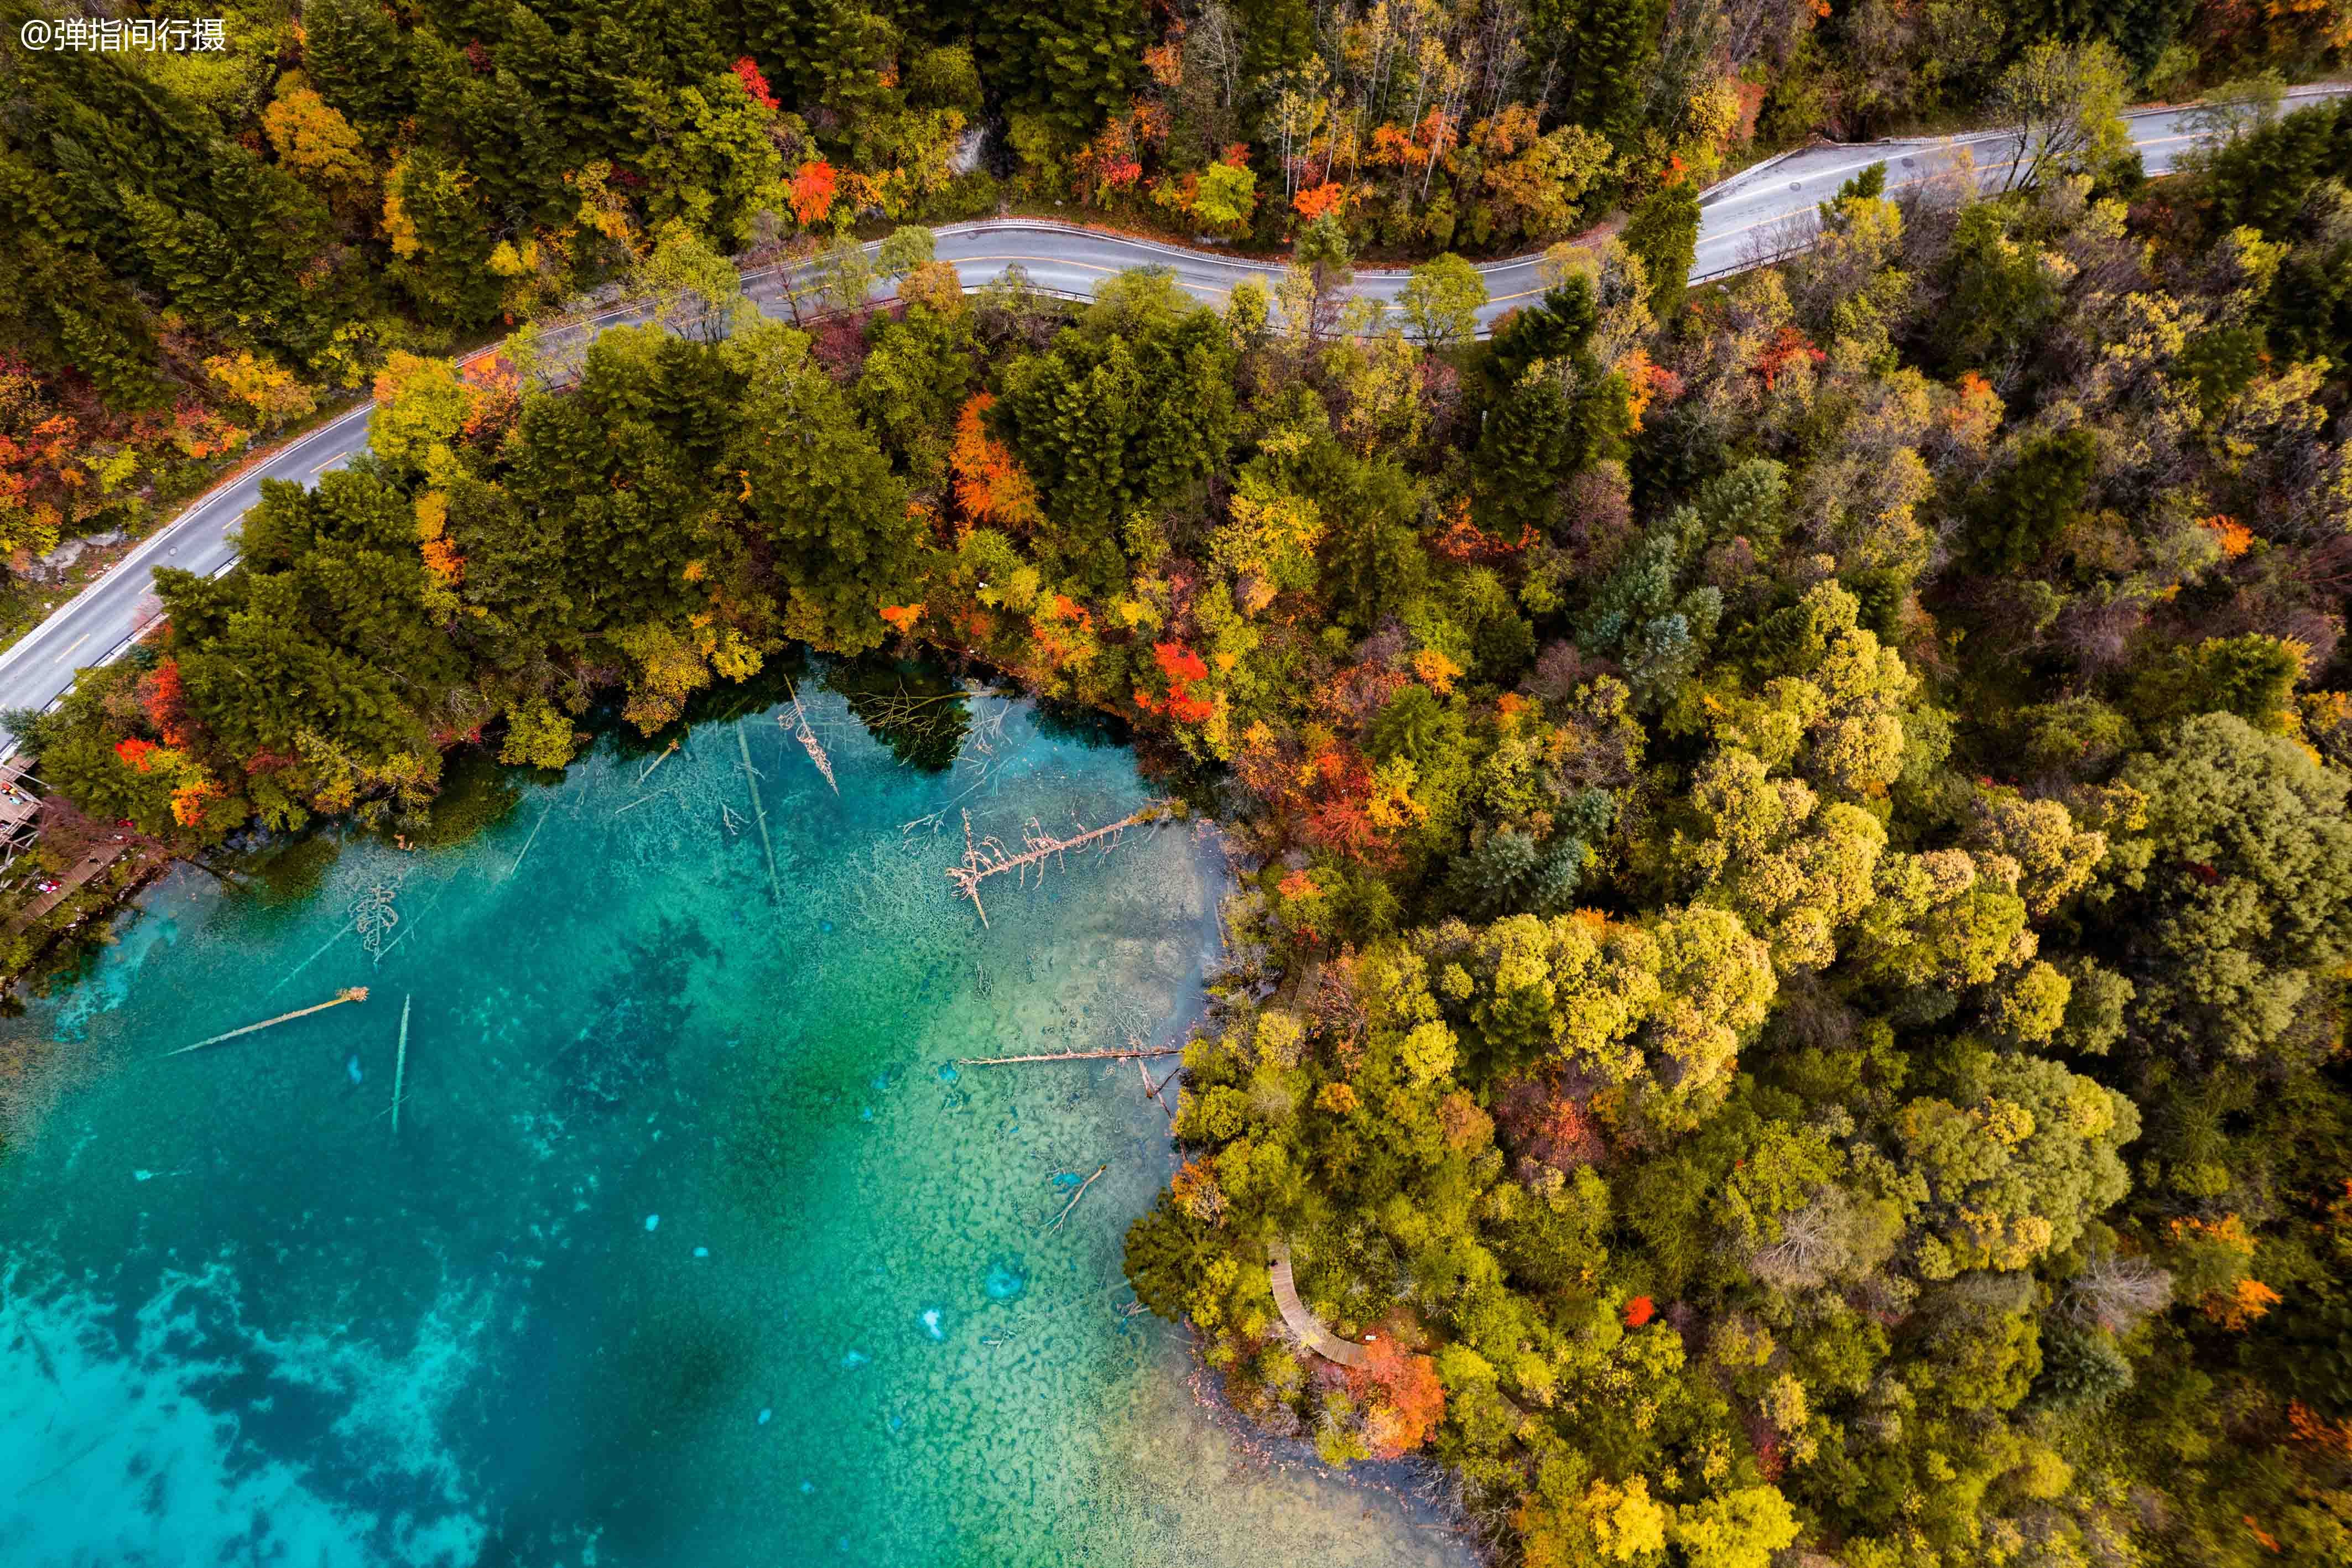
[{"x": 680, "y": 1154}]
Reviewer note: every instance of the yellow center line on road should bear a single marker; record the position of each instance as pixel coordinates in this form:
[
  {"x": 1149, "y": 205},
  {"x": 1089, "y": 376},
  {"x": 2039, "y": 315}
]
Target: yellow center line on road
[
  {"x": 1797, "y": 212},
  {"x": 1759, "y": 223},
  {"x": 1041, "y": 260},
  {"x": 1057, "y": 261},
  {"x": 78, "y": 642},
  {"x": 1952, "y": 168}
]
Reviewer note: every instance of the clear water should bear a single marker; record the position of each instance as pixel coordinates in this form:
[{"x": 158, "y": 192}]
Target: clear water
[{"x": 693, "y": 1247}]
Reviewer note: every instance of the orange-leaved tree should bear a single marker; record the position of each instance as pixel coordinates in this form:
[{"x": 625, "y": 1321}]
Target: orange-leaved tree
[
  {"x": 1183, "y": 669},
  {"x": 1403, "y": 1397},
  {"x": 813, "y": 184},
  {"x": 746, "y": 71},
  {"x": 990, "y": 484}
]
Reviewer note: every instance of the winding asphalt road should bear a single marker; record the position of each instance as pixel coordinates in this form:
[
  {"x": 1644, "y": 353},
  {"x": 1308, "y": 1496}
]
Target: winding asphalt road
[{"x": 1757, "y": 215}]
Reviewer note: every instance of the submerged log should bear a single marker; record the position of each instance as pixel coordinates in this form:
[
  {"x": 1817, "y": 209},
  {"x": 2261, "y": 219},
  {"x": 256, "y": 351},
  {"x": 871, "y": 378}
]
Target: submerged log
[
  {"x": 760, "y": 815},
  {"x": 348, "y": 927},
  {"x": 658, "y": 761},
  {"x": 351, "y": 994},
  {"x": 1071, "y": 1056},
  {"x": 1074, "y": 1199},
  {"x": 543, "y": 815},
  {"x": 1151, "y": 1090},
  {"x": 400, "y": 1064},
  {"x": 800, "y": 729},
  {"x": 987, "y": 857}
]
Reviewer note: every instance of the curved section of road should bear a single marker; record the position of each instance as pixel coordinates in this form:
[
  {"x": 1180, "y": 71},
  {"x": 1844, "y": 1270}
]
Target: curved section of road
[{"x": 1759, "y": 215}]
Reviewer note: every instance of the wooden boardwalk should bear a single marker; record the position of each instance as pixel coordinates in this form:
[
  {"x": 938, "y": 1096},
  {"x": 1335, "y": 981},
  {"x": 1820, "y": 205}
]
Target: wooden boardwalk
[
  {"x": 100, "y": 857},
  {"x": 1304, "y": 1325}
]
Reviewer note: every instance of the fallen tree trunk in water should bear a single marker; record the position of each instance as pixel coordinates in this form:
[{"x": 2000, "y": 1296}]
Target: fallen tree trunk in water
[
  {"x": 1072, "y": 1056},
  {"x": 400, "y": 1065},
  {"x": 1074, "y": 1199},
  {"x": 988, "y": 857},
  {"x": 355, "y": 994}
]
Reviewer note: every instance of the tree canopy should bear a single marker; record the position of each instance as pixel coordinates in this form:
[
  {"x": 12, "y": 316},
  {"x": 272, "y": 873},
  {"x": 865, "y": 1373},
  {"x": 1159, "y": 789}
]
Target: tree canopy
[{"x": 1790, "y": 966}]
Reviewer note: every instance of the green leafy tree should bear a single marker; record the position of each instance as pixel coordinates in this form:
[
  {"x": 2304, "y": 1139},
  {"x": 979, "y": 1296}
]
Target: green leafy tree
[
  {"x": 1741, "y": 1528},
  {"x": 232, "y": 261},
  {"x": 1226, "y": 195},
  {"x": 2232, "y": 898},
  {"x": 2067, "y": 101},
  {"x": 2253, "y": 676},
  {"x": 825, "y": 502},
  {"x": 1553, "y": 410},
  {"x": 1071, "y": 63},
  {"x": 2024, "y": 509},
  {"x": 440, "y": 245},
  {"x": 354, "y": 55},
  {"x": 1442, "y": 299},
  {"x": 903, "y": 250},
  {"x": 1373, "y": 564},
  {"x": 1664, "y": 232},
  {"x": 914, "y": 382},
  {"x": 696, "y": 292},
  {"x": 2017, "y": 1165},
  {"x": 598, "y": 509},
  {"x": 2000, "y": 294},
  {"x": 1130, "y": 409},
  {"x": 539, "y": 734},
  {"x": 2263, "y": 178},
  {"x": 843, "y": 274},
  {"x": 312, "y": 665},
  {"x": 1604, "y": 55}
]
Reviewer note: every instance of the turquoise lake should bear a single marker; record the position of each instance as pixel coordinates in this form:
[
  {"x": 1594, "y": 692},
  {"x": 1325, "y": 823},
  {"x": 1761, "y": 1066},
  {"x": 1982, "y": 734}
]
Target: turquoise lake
[{"x": 694, "y": 1246}]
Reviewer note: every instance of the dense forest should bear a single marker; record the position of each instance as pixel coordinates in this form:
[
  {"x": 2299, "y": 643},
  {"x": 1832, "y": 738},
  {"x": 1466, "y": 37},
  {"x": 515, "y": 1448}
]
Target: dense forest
[
  {"x": 205, "y": 247},
  {"x": 1796, "y": 978}
]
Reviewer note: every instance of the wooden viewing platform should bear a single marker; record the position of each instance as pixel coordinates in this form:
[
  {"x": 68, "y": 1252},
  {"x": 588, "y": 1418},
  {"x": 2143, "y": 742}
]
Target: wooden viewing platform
[
  {"x": 1304, "y": 1325},
  {"x": 20, "y": 808}
]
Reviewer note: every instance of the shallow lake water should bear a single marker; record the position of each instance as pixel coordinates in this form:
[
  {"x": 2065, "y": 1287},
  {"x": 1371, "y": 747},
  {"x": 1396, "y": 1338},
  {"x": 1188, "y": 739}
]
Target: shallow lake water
[{"x": 694, "y": 1246}]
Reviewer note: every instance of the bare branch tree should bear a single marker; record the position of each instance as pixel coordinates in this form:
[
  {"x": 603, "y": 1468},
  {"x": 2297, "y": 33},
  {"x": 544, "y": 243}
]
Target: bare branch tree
[{"x": 2115, "y": 1292}]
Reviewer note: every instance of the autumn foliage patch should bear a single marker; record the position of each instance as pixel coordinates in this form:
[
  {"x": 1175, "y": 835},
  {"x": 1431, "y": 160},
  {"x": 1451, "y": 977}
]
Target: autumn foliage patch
[
  {"x": 990, "y": 485},
  {"x": 1181, "y": 668}
]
